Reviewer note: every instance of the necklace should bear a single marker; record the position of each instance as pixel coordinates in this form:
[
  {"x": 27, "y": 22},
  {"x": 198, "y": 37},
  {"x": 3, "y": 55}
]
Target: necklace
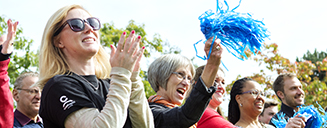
[{"x": 95, "y": 88}]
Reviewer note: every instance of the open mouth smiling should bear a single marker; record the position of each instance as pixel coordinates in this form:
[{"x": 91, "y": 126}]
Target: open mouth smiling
[
  {"x": 88, "y": 39},
  {"x": 181, "y": 91}
]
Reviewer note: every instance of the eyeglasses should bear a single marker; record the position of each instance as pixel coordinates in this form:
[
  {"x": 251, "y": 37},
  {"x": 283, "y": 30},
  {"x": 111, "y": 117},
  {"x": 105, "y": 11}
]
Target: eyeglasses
[
  {"x": 77, "y": 24},
  {"x": 255, "y": 93},
  {"x": 31, "y": 91},
  {"x": 182, "y": 77}
]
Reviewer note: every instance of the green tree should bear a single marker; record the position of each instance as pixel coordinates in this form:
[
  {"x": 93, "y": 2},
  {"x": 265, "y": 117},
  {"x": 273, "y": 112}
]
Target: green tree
[
  {"x": 22, "y": 58},
  {"x": 110, "y": 36},
  {"x": 314, "y": 88},
  {"x": 314, "y": 58}
]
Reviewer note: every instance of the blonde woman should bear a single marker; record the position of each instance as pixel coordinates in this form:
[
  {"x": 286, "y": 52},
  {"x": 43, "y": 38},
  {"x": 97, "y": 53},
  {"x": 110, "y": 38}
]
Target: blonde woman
[{"x": 75, "y": 72}]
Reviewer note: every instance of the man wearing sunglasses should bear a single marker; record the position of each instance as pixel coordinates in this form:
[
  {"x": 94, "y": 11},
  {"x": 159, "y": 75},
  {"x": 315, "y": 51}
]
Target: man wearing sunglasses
[{"x": 28, "y": 97}]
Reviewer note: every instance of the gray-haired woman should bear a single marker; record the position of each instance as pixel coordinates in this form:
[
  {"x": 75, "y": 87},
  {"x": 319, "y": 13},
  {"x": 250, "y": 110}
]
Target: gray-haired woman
[{"x": 171, "y": 77}]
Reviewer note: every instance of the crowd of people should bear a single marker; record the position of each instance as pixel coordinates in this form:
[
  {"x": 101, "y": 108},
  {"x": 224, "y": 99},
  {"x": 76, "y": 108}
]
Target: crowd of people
[{"x": 80, "y": 85}]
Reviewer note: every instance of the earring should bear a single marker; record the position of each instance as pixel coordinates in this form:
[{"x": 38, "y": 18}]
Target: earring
[
  {"x": 61, "y": 46},
  {"x": 241, "y": 105}
]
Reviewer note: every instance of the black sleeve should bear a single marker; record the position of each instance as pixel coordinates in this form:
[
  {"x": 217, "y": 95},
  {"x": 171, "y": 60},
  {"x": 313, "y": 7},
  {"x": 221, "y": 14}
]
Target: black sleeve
[
  {"x": 61, "y": 96},
  {"x": 275, "y": 117},
  {"x": 4, "y": 56},
  {"x": 186, "y": 115}
]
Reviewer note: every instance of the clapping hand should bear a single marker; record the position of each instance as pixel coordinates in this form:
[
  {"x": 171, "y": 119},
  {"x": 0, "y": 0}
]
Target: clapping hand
[
  {"x": 127, "y": 53},
  {"x": 7, "y": 41},
  {"x": 296, "y": 122}
]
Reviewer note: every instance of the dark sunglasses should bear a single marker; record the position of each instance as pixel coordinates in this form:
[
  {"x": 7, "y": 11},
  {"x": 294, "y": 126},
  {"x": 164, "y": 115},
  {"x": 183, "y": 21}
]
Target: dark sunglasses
[{"x": 77, "y": 24}]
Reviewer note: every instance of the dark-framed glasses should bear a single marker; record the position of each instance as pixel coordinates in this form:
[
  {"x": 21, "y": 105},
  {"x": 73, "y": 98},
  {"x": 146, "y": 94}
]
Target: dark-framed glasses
[
  {"x": 255, "y": 93},
  {"x": 78, "y": 24},
  {"x": 31, "y": 91},
  {"x": 182, "y": 77}
]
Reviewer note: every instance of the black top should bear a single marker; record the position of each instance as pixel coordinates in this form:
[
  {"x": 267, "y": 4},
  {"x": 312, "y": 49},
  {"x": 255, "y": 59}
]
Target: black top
[
  {"x": 64, "y": 94},
  {"x": 186, "y": 115},
  {"x": 289, "y": 112},
  {"x": 4, "y": 56}
]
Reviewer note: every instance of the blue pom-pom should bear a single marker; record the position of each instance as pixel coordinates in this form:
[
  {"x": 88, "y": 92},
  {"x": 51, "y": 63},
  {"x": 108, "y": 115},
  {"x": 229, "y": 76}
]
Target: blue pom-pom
[
  {"x": 280, "y": 122},
  {"x": 237, "y": 31},
  {"x": 312, "y": 115}
]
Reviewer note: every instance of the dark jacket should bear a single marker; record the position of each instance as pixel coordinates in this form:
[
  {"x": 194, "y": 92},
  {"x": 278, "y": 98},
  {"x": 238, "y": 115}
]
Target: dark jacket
[
  {"x": 186, "y": 115},
  {"x": 289, "y": 112}
]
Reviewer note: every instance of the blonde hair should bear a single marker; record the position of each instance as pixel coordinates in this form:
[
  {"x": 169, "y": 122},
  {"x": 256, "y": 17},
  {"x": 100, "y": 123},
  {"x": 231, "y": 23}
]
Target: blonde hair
[{"x": 52, "y": 60}]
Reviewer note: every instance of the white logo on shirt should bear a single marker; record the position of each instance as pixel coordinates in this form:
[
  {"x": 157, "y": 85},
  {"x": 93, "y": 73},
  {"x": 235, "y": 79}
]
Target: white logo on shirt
[{"x": 66, "y": 102}]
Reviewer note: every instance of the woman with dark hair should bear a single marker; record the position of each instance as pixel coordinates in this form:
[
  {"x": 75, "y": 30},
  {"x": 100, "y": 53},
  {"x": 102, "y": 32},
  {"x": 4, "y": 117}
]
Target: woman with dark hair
[
  {"x": 233, "y": 109},
  {"x": 246, "y": 103},
  {"x": 171, "y": 77}
]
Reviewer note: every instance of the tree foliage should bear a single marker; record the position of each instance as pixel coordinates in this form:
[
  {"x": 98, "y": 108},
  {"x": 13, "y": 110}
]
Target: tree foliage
[
  {"x": 315, "y": 89},
  {"x": 23, "y": 58},
  {"x": 110, "y": 35},
  {"x": 314, "y": 58}
]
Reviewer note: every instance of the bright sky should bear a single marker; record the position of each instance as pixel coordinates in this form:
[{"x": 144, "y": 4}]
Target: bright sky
[{"x": 295, "y": 25}]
